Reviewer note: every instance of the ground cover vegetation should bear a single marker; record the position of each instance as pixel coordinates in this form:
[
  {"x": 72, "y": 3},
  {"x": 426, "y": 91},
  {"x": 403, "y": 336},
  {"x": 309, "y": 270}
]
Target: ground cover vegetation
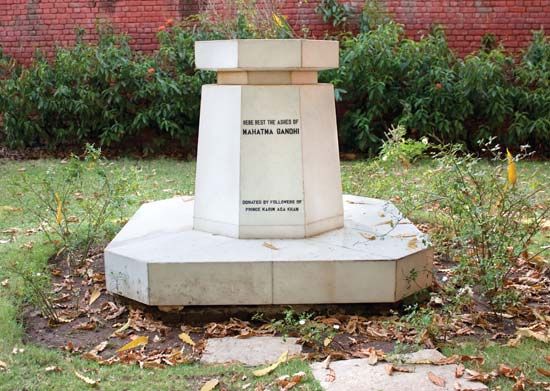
[
  {"x": 109, "y": 94},
  {"x": 488, "y": 306}
]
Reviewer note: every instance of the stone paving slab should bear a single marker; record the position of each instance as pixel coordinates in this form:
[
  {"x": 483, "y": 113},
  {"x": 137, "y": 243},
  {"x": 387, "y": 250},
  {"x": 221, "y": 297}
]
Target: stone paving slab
[
  {"x": 424, "y": 356},
  {"x": 358, "y": 375},
  {"x": 251, "y": 351}
]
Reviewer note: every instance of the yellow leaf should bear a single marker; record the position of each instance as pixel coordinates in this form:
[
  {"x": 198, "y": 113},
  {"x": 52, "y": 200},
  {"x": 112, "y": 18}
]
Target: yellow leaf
[
  {"x": 210, "y": 385},
  {"x": 59, "y": 213},
  {"x": 277, "y": 20},
  {"x": 269, "y": 245},
  {"x": 3, "y": 365},
  {"x": 85, "y": 379},
  {"x": 512, "y": 174},
  {"x": 94, "y": 295},
  {"x": 327, "y": 341},
  {"x": 525, "y": 332},
  {"x": 139, "y": 341},
  {"x": 122, "y": 328},
  {"x": 271, "y": 368},
  {"x": 368, "y": 236},
  {"x": 187, "y": 339},
  {"x": 412, "y": 244}
]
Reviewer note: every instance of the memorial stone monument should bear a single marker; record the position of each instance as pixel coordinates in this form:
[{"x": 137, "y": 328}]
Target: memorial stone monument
[{"x": 268, "y": 223}]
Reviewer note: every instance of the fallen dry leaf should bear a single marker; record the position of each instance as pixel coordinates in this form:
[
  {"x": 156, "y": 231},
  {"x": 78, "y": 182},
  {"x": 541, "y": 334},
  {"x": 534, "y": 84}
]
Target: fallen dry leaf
[
  {"x": 86, "y": 379},
  {"x": 53, "y": 368},
  {"x": 327, "y": 341},
  {"x": 514, "y": 341},
  {"x": 478, "y": 359},
  {"x": 372, "y": 359},
  {"x": 269, "y": 245},
  {"x": 266, "y": 370},
  {"x": 3, "y": 365},
  {"x": 506, "y": 371},
  {"x": 544, "y": 372},
  {"x": 94, "y": 296},
  {"x": 170, "y": 309},
  {"x": 99, "y": 347},
  {"x": 138, "y": 341},
  {"x": 186, "y": 338},
  {"x": 287, "y": 382},
  {"x": 391, "y": 368},
  {"x": 88, "y": 326},
  {"x": 459, "y": 370},
  {"x": 437, "y": 380},
  {"x": 210, "y": 385},
  {"x": 368, "y": 236},
  {"x": 478, "y": 376},
  {"x": 412, "y": 243},
  {"x": 331, "y": 375},
  {"x": 122, "y": 328},
  {"x": 525, "y": 332}
]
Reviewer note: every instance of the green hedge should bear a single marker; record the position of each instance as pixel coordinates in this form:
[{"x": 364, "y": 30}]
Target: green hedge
[
  {"x": 107, "y": 93},
  {"x": 104, "y": 93},
  {"x": 385, "y": 78}
]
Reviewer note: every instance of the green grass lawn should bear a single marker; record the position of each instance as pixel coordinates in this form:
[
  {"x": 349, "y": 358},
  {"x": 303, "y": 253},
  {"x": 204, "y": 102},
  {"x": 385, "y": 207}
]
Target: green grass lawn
[{"x": 162, "y": 179}]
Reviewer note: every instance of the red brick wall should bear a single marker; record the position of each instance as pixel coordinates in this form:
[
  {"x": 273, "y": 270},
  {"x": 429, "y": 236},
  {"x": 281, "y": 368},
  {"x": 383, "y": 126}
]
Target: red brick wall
[
  {"x": 466, "y": 21},
  {"x": 26, "y": 25}
]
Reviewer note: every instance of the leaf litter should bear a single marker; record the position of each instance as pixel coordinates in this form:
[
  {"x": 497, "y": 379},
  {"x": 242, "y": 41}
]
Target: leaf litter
[{"x": 94, "y": 323}]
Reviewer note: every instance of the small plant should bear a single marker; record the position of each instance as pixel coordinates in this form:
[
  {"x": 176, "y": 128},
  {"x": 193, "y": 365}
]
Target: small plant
[
  {"x": 372, "y": 16},
  {"x": 304, "y": 326},
  {"x": 488, "y": 219},
  {"x": 423, "y": 319},
  {"x": 240, "y": 19},
  {"x": 77, "y": 201},
  {"x": 36, "y": 286},
  {"x": 398, "y": 149},
  {"x": 334, "y": 12}
]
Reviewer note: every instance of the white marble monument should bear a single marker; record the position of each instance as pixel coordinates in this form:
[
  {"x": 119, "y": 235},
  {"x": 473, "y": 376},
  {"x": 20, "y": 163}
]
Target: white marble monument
[{"x": 268, "y": 223}]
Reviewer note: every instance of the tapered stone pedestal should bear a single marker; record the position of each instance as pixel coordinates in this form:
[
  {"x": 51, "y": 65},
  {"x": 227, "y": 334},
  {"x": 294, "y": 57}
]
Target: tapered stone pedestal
[
  {"x": 268, "y": 164},
  {"x": 268, "y": 224}
]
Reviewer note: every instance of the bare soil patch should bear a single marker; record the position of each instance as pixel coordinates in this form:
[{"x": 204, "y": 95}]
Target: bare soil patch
[{"x": 96, "y": 324}]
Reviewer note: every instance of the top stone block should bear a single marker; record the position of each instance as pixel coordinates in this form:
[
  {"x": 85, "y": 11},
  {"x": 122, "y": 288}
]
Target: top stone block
[{"x": 266, "y": 54}]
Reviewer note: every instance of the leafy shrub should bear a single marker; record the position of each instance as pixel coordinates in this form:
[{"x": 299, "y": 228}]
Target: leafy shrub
[
  {"x": 303, "y": 325},
  {"x": 334, "y": 12},
  {"x": 531, "y": 112},
  {"x": 77, "y": 202},
  {"x": 488, "y": 219},
  {"x": 109, "y": 94},
  {"x": 385, "y": 78},
  {"x": 103, "y": 93},
  {"x": 400, "y": 150}
]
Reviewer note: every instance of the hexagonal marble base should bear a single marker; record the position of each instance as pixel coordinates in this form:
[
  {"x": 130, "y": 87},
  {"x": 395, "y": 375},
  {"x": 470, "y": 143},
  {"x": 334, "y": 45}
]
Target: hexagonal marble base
[{"x": 158, "y": 259}]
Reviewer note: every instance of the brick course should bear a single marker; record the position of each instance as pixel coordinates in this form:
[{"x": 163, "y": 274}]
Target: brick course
[{"x": 27, "y": 25}]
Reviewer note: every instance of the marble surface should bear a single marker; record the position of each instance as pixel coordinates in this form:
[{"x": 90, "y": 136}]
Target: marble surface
[
  {"x": 251, "y": 351},
  {"x": 268, "y": 163},
  {"x": 158, "y": 259},
  {"x": 266, "y": 54},
  {"x": 359, "y": 375}
]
